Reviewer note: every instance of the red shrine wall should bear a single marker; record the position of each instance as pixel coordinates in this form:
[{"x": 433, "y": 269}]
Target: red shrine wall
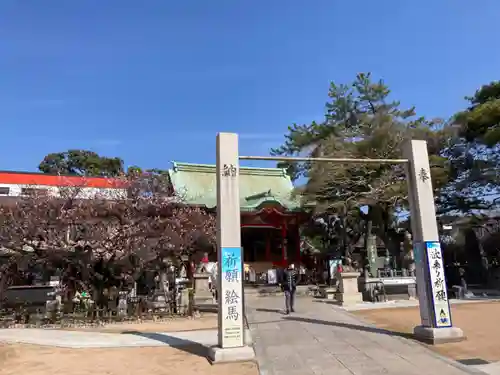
[{"x": 270, "y": 238}]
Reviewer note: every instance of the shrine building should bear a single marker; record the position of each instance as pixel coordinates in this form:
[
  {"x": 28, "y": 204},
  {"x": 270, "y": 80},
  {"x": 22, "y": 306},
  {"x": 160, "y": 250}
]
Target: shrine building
[{"x": 270, "y": 214}]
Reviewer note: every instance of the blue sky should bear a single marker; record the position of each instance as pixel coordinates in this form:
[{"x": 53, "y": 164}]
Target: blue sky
[{"x": 153, "y": 81}]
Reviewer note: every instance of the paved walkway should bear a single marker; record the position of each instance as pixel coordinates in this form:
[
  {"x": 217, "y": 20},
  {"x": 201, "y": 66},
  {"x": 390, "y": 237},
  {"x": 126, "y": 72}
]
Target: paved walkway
[{"x": 322, "y": 339}]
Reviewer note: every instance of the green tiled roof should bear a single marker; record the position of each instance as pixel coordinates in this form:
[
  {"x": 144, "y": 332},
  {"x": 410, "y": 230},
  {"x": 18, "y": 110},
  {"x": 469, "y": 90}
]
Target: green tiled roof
[{"x": 196, "y": 184}]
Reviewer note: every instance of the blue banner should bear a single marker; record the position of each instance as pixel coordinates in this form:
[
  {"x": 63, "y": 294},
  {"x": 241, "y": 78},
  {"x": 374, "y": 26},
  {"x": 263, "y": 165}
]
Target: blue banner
[{"x": 232, "y": 265}]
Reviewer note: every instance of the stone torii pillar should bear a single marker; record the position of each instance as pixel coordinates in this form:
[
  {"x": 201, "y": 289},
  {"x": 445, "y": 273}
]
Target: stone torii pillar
[
  {"x": 231, "y": 311},
  {"x": 436, "y": 322}
]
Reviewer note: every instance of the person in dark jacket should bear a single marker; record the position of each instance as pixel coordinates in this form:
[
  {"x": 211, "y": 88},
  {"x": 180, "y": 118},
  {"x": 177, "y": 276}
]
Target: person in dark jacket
[{"x": 289, "y": 285}]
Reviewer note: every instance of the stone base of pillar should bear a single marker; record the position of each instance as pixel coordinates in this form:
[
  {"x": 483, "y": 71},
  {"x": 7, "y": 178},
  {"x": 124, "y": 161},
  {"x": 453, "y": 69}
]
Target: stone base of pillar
[
  {"x": 218, "y": 355},
  {"x": 435, "y": 336},
  {"x": 348, "y": 293}
]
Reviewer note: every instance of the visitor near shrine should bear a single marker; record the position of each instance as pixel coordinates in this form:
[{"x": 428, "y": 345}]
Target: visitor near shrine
[{"x": 289, "y": 285}]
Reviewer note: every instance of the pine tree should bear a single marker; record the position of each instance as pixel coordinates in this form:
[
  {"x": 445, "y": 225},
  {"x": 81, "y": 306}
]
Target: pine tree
[{"x": 361, "y": 121}]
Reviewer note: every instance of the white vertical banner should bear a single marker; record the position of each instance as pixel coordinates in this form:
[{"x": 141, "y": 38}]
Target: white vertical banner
[{"x": 439, "y": 298}]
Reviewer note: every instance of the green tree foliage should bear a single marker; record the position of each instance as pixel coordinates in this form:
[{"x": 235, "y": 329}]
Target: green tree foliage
[
  {"x": 474, "y": 157},
  {"x": 81, "y": 163},
  {"x": 361, "y": 121},
  {"x": 481, "y": 121}
]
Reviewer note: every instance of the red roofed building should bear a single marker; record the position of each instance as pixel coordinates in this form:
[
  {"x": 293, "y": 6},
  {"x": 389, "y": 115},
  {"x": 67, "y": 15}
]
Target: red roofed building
[{"x": 15, "y": 184}]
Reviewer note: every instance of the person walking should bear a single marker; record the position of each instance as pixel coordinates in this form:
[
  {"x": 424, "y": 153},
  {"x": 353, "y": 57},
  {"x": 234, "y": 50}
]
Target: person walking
[{"x": 289, "y": 285}]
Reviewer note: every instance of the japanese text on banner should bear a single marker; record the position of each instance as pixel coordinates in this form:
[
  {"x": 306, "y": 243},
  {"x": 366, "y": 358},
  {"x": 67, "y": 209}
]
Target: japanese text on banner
[
  {"x": 231, "y": 273},
  {"x": 438, "y": 284}
]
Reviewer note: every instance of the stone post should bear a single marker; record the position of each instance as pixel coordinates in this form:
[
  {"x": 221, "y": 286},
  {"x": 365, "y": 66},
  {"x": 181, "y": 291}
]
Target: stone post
[
  {"x": 229, "y": 255},
  {"x": 201, "y": 287},
  {"x": 436, "y": 323},
  {"x": 348, "y": 292},
  {"x": 122, "y": 304},
  {"x": 371, "y": 250}
]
